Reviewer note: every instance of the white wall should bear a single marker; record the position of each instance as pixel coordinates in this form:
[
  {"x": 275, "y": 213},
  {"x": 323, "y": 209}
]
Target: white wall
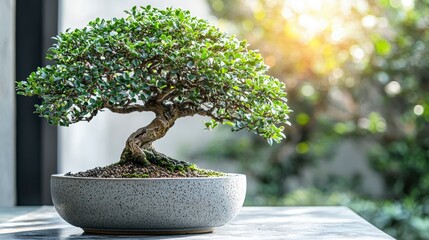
[
  {"x": 7, "y": 103},
  {"x": 98, "y": 143}
]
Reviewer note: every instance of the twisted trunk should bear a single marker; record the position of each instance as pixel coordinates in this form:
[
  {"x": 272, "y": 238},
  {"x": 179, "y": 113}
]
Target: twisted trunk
[{"x": 138, "y": 147}]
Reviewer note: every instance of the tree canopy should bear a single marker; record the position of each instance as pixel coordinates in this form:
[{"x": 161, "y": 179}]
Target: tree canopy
[{"x": 164, "y": 61}]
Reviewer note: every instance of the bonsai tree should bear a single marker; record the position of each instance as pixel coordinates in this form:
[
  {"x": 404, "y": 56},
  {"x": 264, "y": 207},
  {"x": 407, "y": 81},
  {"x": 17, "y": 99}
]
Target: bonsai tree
[{"x": 162, "y": 61}]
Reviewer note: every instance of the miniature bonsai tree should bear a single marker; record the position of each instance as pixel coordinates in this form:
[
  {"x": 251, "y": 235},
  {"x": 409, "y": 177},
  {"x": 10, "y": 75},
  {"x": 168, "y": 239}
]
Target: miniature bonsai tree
[{"x": 162, "y": 61}]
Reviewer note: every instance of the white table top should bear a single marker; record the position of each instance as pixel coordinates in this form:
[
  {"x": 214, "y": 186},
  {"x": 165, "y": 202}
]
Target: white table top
[{"x": 251, "y": 223}]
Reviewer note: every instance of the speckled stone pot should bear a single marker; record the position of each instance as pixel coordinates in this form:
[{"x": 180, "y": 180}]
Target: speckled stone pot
[{"x": 148, "y": 206}]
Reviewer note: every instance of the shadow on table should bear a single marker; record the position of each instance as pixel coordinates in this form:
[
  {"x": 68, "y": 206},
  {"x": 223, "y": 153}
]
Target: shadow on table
[{"x": 75, "y": 233}]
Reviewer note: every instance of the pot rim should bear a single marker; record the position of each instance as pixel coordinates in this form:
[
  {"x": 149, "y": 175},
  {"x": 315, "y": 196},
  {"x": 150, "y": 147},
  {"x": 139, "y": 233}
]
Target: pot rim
[{"x": 228, "y": 175}]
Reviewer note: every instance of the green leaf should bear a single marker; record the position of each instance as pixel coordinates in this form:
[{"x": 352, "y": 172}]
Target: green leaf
[
  {"x": 229, "y": 123},
  {"x": 204, "y": 54},
  {"x": 181, "y": 15},
  {"x": 190, "y": 64}
]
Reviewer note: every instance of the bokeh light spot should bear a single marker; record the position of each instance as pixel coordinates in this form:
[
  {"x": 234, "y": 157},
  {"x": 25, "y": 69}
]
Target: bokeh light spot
[
  {"x": 337, "y": 73},
  {"x": 376, "y": 123},
  {"x": 307, "y": 90},
  {"x": 369, "y": 21},
  {"x": 340, "y": 128},
  {"x": 363, "y": 123},
  {"x": 302, "y": 148},
  {"x": 357, "y": 52},
  {"x": 392, "y": 88},
  {"x": 302, "y": 119},
  {"x": 217, "y": 5},
  {"x": 382, "y": 77},
  {"x": 408, "y": 4},
  {"x": 418, "y": 110}
]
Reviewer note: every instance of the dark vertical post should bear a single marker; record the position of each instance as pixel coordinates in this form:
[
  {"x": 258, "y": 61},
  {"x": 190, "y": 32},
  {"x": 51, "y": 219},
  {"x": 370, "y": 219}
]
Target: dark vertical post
[
  {"x": 36, "y": 142},
  {"x": 49, "y": 132}
]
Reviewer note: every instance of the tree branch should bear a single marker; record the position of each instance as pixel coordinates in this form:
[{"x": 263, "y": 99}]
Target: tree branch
[
  {"x": 128, "y": 108},
  {"x": 164, "y": 96}
]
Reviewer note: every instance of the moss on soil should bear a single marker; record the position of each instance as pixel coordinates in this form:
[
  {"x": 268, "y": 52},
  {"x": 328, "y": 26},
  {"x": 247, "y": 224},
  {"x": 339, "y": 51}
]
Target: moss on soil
[{"x": 136, "y": 170}]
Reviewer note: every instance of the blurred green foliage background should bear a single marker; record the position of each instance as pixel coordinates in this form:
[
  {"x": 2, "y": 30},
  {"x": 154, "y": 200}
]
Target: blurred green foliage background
[{"x": 357, "y": 77}]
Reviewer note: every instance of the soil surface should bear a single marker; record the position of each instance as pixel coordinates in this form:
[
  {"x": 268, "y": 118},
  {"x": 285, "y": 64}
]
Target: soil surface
[{"x": 135, "y": 170}]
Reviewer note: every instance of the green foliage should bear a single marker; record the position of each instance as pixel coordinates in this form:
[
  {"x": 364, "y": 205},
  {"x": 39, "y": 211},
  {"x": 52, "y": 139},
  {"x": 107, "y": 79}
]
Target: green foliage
[
  {"x": 404, "y": 220},
  {"x": 404, "y": 165},
  {"x": 158, "y": 59},
  {"x": 354, "y": 72}
]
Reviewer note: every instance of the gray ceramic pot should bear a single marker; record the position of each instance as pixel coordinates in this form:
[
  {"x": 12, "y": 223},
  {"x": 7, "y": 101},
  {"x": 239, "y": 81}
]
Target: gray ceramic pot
[{"x": 148, "y": 206}]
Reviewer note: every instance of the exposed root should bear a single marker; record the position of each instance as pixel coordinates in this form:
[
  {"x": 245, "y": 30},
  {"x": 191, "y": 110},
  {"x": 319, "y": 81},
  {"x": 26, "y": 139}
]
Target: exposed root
[{"x": 148, "y": 156}]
